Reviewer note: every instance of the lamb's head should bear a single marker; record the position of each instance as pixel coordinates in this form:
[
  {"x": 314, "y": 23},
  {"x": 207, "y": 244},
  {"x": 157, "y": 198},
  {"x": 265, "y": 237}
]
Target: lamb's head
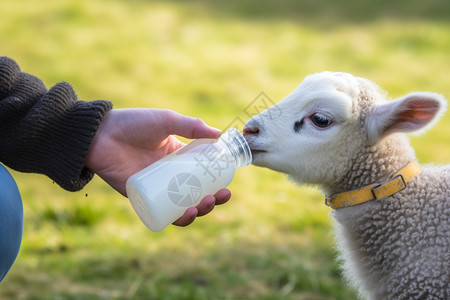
[{"x": 324, "y": 123}]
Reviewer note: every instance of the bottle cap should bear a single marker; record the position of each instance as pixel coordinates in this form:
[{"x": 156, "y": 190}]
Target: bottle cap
[{"x": 238, "y": 146}]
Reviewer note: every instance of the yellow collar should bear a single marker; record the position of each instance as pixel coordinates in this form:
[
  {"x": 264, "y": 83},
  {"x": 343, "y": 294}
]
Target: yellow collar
[{"x": 393, "y": 185}]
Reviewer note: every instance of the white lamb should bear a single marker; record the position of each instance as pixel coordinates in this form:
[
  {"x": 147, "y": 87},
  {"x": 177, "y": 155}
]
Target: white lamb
[{"x": 338, "y": 131}]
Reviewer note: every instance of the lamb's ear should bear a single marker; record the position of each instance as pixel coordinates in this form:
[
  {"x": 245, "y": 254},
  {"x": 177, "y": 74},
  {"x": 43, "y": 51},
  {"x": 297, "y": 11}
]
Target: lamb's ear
[{"x": 414, "y": 112}]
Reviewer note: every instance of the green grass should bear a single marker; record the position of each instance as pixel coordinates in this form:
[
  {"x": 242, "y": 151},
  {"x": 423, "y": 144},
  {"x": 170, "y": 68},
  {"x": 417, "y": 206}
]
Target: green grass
[{"x": 208, "y": 59}]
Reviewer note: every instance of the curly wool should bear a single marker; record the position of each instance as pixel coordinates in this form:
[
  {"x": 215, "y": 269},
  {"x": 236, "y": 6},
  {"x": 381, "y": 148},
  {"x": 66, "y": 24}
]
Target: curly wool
[{"x": 398, "y": 247}]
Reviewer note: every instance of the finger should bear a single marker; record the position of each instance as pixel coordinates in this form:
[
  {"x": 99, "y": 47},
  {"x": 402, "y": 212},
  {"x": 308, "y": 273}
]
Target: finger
[
  {"x": 222, "y": 196},
  {"x": 206, "y": 205},
  {"x": 188, "y": 217},
  {"x": 189, "y": 127}
]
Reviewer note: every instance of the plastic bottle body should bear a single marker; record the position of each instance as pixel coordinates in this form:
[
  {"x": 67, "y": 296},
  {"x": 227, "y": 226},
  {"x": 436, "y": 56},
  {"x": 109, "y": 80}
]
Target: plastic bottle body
[{"x": 163, "y": 191}]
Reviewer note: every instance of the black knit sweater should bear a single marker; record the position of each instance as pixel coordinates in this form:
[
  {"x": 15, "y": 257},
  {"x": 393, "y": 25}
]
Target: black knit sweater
[{"x": 46, "y": 131}]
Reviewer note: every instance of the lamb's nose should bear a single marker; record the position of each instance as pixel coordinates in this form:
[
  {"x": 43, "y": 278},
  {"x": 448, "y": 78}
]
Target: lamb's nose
[{"x": 251, "y": 130}]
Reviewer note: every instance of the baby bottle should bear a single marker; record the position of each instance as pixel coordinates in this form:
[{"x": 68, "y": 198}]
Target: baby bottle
[{"x": 162, "y": 192}]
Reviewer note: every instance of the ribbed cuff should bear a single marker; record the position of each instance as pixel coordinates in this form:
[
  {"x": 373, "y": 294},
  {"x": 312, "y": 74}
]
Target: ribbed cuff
[
  {"x": 47, "y": 132},
  {"x": 61, "y": 138}
]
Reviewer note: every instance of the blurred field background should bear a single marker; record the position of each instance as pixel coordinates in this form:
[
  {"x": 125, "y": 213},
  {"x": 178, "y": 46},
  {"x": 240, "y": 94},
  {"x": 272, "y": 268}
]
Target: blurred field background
[{"x": 208, "y": 59}]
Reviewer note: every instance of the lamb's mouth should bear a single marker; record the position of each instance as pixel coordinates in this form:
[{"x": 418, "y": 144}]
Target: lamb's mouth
[{"x": 257, "y": 151}]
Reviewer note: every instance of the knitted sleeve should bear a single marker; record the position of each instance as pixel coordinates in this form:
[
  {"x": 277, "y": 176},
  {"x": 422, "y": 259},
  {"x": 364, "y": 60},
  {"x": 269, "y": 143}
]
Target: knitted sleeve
[{"x": 46, "y": 131}]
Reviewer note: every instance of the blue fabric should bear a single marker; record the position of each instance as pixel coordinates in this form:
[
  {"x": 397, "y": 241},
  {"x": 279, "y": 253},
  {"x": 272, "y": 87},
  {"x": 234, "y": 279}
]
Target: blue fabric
[{"x": 11, "y": 221}]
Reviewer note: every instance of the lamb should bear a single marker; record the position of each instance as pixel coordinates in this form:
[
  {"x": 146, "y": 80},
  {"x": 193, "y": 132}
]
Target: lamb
[{"x": 391, "y": 216}]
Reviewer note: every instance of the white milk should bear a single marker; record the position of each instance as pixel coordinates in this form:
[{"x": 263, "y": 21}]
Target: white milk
[{"x": 162, "y": 192}]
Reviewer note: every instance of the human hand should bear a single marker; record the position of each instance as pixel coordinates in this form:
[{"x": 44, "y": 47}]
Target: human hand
[{"x": 128, "y": 140}]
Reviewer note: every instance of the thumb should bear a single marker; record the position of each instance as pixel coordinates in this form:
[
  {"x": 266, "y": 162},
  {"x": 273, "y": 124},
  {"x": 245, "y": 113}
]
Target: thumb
[{"x": 191, "y": 128}]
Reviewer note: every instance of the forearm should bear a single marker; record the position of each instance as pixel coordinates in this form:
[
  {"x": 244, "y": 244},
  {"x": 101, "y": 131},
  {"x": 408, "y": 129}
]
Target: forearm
[{"x": 46, "y": 131}]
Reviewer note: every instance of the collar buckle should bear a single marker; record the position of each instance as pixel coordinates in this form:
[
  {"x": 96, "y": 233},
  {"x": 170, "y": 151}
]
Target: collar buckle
[{"x": 389, "y": 188}]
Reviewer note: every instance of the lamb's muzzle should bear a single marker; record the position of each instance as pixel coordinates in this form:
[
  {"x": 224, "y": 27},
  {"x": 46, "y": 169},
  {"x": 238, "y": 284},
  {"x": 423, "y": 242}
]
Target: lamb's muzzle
[{"x": 253, "y": 134}]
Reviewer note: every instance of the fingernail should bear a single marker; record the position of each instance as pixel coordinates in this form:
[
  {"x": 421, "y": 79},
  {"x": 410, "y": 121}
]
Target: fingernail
[
  {"x": 215, "y": 129},
  {"x": 211, "y": 205}
]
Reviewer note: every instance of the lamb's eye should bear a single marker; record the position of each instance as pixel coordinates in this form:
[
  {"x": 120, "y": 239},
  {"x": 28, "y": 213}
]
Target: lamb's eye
[{"x": 321, "y": 120}]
